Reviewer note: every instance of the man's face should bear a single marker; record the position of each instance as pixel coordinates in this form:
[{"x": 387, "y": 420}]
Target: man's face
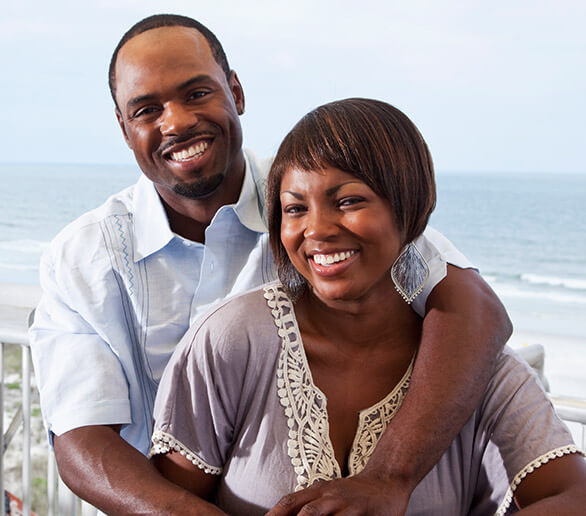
[{"x": 179, "y": 113}]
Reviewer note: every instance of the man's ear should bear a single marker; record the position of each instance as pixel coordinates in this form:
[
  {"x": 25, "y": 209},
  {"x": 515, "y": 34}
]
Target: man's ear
[
  {"x": 237, "y": 92},
  {"x": 122, "y": 126}
]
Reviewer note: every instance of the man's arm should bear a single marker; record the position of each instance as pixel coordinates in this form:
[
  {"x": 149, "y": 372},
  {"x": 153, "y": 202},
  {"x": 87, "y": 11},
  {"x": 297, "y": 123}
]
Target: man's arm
[
  {"x": 102, "y": 468},
  {"x": 464, "y": 329}
]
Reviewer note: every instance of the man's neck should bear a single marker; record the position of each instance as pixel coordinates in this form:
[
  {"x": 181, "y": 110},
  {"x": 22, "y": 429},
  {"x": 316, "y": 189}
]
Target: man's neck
[{"x": 189, "y": 218}]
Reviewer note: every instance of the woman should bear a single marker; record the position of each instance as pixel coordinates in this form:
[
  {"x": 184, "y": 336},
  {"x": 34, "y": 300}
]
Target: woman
[{"x": 295, "y": 383}]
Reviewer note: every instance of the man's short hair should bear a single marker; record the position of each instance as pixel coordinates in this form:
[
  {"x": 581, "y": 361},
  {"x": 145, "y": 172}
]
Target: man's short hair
[{"x": 167, "y": 20}]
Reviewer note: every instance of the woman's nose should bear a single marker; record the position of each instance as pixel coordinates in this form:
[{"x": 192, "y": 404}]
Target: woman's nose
[{"x": 320, "y": 225}]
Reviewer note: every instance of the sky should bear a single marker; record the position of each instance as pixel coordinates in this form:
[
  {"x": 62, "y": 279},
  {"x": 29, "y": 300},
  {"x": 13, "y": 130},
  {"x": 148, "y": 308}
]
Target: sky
[{"x": 493, "y": 86}]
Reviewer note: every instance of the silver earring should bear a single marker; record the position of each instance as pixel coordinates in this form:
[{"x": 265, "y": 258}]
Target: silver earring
[{"x": 409, "y": 273}]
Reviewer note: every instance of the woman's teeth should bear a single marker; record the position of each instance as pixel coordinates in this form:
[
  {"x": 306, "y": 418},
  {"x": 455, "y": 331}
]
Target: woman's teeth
[
  {"x": 195, "y": 151},
  {"x": 329, "y": 259}
]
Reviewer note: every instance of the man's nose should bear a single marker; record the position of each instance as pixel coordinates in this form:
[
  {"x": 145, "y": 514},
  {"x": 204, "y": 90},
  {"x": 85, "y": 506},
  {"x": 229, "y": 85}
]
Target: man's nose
[
  {"x": 321, "y": 224},
  {"x": 176, "y": 119}
]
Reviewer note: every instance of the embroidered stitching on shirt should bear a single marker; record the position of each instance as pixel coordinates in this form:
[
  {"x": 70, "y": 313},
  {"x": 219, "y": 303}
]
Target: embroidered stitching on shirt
[
  {"x": 308, "y": 444},
  {"x": 530, "y": 468},
  {"x": 164, "y": 443}
]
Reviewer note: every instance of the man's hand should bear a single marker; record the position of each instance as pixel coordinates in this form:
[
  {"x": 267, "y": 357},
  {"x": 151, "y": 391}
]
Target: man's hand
[{"x": 360, "y": 495}]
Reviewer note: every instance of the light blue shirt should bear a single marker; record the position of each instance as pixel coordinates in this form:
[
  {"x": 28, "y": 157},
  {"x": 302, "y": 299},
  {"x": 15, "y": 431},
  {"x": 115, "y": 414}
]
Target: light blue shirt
[{"x": 120, "y": 289}]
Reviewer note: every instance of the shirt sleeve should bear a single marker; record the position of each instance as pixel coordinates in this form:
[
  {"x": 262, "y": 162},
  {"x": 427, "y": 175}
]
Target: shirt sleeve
[
  {"x": 437, "y": 251},
  {"x": 520, "y": 429},
  {"x": 202, "y": 396},
  {"x": 80, "y": 379}
]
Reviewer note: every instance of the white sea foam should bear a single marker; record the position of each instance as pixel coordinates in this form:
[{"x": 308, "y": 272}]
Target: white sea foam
[
  {"x": 18, "y": 267},
  {"x": 24, "y": 246},
  {"x": 553, "y": 281},
  {"x": 555, "y": 297}
]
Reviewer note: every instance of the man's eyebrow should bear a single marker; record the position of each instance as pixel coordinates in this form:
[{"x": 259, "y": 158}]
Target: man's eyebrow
[
  {"x": 198, "y": 79},
  {"x": 138, "y": 100},
  {"x": 201, "y": 78}
]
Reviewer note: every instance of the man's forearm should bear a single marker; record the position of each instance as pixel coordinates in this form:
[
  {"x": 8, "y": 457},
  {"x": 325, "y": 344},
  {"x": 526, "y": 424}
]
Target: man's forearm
[
  {"x": 102, "y": 468},
  {"x": 465, "y": 328}
]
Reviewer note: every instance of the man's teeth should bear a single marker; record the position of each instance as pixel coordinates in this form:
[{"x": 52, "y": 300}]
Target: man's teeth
[
  {"x": 328, "y": 259},
  {"x": 195, "y": 151}
]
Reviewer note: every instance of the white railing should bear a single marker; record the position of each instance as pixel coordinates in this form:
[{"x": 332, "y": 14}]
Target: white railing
[{"x": 61, "y": 501}]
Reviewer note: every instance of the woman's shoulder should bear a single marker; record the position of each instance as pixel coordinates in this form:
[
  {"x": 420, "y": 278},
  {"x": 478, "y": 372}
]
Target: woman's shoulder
[{"x": 241, "y": 324}]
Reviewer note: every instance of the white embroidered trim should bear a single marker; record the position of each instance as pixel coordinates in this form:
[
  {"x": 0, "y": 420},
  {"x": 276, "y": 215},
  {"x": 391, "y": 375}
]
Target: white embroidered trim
[
  {"x": 309, "y": 445},
  {"x": 164, "y": 443},
  {"x": 373, "y": 422},
  {"x": 530, "y": 468}
]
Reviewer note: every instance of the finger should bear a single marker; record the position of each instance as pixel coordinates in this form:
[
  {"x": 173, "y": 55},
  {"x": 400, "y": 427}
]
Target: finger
[
  {"x": 325, "y": 505},
  {"x": 292, "y": 503}
]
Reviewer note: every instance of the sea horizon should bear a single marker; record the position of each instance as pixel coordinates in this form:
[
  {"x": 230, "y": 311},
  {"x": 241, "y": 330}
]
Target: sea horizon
[{"x": 523, "y": 231}]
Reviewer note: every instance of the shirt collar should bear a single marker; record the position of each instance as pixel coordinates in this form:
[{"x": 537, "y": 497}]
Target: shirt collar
[
  {"x": 250, "y": 207},
  {"x": 151, "y": 225}
]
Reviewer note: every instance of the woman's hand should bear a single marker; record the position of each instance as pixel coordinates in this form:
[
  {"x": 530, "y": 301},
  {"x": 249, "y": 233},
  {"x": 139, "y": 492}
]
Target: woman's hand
[{"x": 358, "y": 495}]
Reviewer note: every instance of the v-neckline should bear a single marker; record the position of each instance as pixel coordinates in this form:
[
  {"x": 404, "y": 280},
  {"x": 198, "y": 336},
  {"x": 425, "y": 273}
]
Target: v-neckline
[{"x": 309, "y": 444}]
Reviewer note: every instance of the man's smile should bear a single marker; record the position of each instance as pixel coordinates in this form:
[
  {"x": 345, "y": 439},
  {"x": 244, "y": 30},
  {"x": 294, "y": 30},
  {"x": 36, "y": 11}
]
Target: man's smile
[{"x": 194, "y": 151}]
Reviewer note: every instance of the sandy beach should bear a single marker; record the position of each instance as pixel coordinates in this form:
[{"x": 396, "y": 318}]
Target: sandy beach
[{"x": 16, "y": 302}]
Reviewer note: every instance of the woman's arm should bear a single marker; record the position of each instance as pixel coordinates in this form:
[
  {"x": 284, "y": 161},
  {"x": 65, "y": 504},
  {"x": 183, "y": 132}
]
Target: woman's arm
[
  {"x": 558, "y": 487},
  {"x": 183, "y": 473}
]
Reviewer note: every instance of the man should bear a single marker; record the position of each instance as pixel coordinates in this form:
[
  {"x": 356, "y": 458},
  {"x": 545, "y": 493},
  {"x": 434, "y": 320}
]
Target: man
[{"x": 123, "y": 283}]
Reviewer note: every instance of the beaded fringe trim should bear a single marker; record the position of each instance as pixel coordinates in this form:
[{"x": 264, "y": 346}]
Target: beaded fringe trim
[
  {"x": 530, "y": 468},
  {"x": 164, "y": 443}
]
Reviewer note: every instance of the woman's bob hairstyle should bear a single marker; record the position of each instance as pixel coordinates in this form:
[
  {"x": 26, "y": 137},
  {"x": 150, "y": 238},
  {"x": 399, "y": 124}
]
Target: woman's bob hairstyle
[{"x": 369, "y": 139}]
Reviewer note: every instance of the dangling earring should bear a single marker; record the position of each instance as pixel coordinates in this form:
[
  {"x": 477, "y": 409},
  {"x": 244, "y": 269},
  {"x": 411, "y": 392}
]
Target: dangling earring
[{"x": 409, "y": 273}]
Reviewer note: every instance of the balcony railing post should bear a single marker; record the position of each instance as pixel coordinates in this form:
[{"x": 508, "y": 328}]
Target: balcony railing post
[
  {"x": 2, "y": 512},
  {"x": 26, "y": 441}
]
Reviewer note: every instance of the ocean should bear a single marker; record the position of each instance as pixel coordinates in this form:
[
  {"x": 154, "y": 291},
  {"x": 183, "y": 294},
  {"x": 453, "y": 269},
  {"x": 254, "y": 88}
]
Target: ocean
[{"x": 525, "y": 232}]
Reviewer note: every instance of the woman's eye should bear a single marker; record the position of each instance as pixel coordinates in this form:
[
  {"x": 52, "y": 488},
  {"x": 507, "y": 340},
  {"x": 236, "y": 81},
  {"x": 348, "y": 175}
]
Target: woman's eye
[
  {"x": 293, "y": 209},
  {"x": 350, "y": 201}
]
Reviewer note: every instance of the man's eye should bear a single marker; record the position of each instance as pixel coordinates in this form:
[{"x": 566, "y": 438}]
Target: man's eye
[
  {"x": 195, "y": 95},
  {"x": 145, "y": 112}
]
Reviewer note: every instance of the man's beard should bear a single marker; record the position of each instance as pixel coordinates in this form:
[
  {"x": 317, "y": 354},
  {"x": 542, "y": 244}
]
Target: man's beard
[{"x": 200, "y": 188}]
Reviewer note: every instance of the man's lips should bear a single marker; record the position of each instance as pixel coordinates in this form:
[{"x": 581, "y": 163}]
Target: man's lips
[{"x": 194, "y": 151}]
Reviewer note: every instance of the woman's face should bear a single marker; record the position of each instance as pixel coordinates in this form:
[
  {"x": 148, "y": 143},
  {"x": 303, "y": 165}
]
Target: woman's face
[{"x": 339, "y": 234}]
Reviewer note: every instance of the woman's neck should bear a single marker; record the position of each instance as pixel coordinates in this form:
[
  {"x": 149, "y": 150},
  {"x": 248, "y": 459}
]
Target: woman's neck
[{"x": 363, "y": 323}]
